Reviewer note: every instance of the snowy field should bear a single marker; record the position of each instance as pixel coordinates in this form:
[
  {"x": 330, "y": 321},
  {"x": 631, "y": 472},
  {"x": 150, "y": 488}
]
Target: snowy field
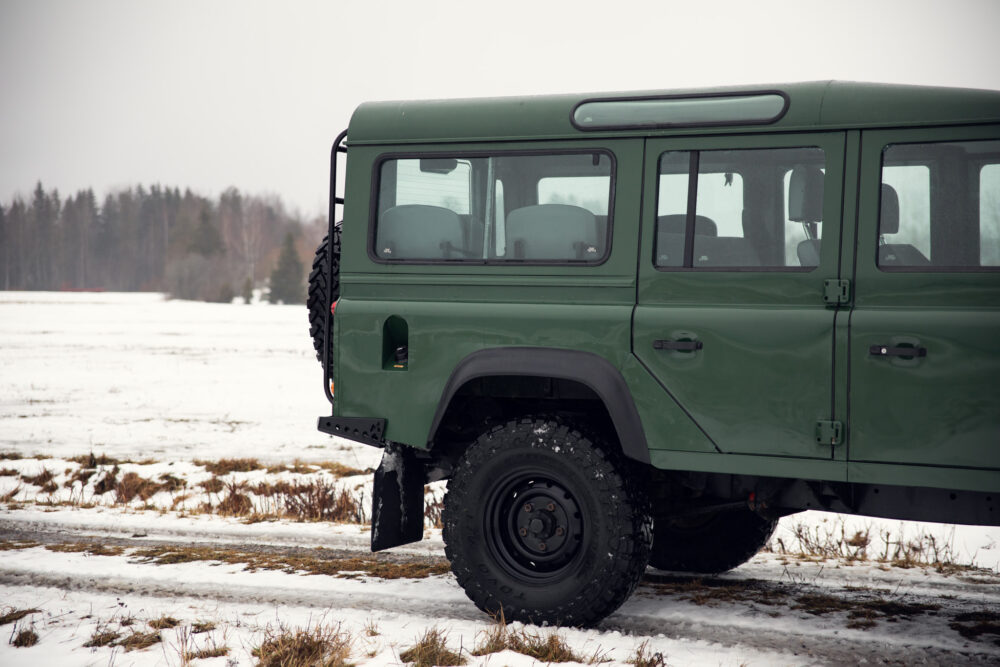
[{"x": 151, "y": 540}]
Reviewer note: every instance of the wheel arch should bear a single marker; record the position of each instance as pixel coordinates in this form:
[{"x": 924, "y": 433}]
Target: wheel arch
[{"x": 589, "y": 369}]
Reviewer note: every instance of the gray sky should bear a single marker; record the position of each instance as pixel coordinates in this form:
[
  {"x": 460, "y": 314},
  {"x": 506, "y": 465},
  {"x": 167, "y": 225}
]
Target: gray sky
[{"x": 110, "y": 93}]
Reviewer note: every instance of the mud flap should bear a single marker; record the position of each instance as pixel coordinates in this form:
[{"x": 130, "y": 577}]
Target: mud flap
[{"x": 397, "y": 499}]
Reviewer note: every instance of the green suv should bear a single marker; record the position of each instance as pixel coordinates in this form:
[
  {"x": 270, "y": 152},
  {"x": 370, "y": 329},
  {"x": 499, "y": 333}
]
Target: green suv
[{"x": 640, "y": 328}]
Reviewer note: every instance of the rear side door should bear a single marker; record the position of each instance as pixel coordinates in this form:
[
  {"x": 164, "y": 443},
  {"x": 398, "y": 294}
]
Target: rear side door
[
  {"x": 740, "y": 236},
  {"x": 925, "y": 331}
]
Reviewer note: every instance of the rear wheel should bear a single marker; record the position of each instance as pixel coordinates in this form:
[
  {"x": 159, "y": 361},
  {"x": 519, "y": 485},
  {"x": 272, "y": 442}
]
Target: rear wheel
[
  {"x": 320, "y": 297},
  {"x": 709, "y": 543},
  {"x": 545, "y": 525}
]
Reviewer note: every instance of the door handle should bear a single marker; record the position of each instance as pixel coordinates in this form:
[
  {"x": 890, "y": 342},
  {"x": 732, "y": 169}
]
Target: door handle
[
  {"x": 897, "y": 351},
  {"x": 682, "y": 345}
]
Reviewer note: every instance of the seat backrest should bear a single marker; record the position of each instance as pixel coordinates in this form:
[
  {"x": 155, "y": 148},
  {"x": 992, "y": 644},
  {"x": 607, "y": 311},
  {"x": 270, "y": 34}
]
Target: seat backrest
[
  {"x": 552, "y": 231},
  {"x": 418, "y": 231},
  {"x": 888, "y": 222}
]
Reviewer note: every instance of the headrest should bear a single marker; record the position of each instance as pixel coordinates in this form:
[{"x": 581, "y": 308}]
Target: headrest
[
  {"x": 805, "y": 195},
  {"x": 677, "y": 224},
  {"x": 889, "y": 216}
]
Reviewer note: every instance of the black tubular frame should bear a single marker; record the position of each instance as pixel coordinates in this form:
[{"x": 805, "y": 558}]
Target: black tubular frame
[{"x": 339, "y": 146}]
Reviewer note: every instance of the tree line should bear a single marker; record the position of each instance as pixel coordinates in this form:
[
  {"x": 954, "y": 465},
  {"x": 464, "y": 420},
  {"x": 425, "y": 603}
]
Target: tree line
[{"x": 156, "y": 238}]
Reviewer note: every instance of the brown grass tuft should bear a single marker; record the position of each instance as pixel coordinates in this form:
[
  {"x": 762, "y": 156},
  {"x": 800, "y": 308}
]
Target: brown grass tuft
[
  {"x": 10, "y": 456},
  {"x": 25, "y": 638},
  {"x": 139, "y": 640},
  {"x": 92, "y": 548},
  {"x": 321, "y": 646},
  {"x": 226, "y": 466},
  {"x": 101, "y": 637},
  {"x": 8, "y": 472},
  {"x": 547, "y": 648},
  {"x": 163, "y": 623},
  {"x": 16, "y": 615},
  {"x": 641, "y": 659},
  {"x": 431, "y": 651}
]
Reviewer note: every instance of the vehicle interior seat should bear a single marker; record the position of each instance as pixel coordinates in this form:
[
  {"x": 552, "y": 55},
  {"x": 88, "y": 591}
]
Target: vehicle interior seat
[
  {"x": 895, "y": 254},
  {"x": 418, "y": 231},
  {"x": 552, "y": 231}
]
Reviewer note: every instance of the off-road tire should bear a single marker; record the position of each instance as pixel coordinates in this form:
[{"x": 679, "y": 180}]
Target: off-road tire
[
  {"x": 318, "y": 301},
  {"x": 709, "y": 544},
  {"x": 512, "y": 491}
]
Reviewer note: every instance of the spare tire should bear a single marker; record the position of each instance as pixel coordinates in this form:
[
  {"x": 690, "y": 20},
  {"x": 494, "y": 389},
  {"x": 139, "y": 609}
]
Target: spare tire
[{"x": 319, "y": 301}]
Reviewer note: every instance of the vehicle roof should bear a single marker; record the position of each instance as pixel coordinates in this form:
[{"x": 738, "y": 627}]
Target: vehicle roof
[{"x": 811, "y": 105}]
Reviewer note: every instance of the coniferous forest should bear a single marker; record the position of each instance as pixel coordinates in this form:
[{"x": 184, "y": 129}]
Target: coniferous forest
[{"x": 156, "y": 238}]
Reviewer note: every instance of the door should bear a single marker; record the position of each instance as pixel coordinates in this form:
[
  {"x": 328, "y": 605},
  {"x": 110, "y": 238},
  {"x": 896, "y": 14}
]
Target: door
[
  {"x": 925, "y": 331},
  {"x": 740, "y": 235}
]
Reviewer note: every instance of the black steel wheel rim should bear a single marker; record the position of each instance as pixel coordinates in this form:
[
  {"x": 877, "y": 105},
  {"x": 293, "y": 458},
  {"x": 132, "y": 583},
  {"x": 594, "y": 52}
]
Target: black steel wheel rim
[{"x": 534, "y": 525}]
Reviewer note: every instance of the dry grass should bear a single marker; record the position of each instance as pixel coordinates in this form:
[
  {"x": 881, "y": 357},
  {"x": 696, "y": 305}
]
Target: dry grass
[
  {"x": 10, "y": 456},
  {"x": 431, "y": 650},
  {"x": 9, "y": 472},
  {"x": 137, "y": 641},
  {"x": 10, "y": 495},
  {"x": 102, "y": 636},
  {"x": 346, "y": 568},
  {"x": 546, "y": 648},
  {"x": 92, "y": 548},
  {"x": 832, "y": 540},
  {"x": 202, "y": 626},
  {"x": 42, "y": 480},
  {"x": 319, "y": 646},
  {"x": 163, "y": 623},
  {"x": 7, "y": 545},
  {"x": 25, "y": 637},
  {"x": 16, "y": 615},
  {"x": 226, "y": 466},
  {"x": 643, "y": 659}
]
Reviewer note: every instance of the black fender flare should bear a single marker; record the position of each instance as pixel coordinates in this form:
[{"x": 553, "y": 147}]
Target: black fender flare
[{"x": 587, "y": 368}]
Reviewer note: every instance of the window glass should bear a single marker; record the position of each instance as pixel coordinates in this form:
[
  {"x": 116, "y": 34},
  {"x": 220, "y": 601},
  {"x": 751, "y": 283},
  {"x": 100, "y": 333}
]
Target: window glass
[
  {"x": 797, "y": 232},
  {"x": 743, "y": 210},
  {"x": 989, "y": 215},
  {"x": 448, "y": 190},
  {"x": 501, "y": 208},
  {"x": 589, "y": 192},
  {"x": 939, "y": 206}
]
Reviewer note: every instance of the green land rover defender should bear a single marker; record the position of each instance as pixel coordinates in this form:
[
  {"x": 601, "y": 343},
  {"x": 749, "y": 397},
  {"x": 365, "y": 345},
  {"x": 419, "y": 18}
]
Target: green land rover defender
[{"x": 640, "y": 328}]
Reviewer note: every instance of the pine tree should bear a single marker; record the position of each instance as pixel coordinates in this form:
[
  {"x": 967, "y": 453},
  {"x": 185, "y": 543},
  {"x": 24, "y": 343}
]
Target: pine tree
[{"x": 286, "y": 279}]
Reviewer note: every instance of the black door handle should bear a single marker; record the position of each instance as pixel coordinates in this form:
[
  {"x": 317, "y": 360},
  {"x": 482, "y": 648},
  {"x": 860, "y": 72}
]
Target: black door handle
[
  {"x": 890, "y": 351},
  {"x": 682, "y": 345}
]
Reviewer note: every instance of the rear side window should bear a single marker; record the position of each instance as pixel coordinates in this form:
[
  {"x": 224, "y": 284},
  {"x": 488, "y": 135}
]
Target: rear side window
[
  {"x": 754, "y": 209},
  {"x": 939, "y": 207},
  {"x": 542, "y": 208}
]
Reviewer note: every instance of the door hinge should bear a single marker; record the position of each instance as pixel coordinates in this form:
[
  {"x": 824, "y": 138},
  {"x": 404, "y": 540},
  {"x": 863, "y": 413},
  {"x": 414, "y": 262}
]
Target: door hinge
[
  {"x": 829, "y": 432},
  {"x": 837, "y": 292}
]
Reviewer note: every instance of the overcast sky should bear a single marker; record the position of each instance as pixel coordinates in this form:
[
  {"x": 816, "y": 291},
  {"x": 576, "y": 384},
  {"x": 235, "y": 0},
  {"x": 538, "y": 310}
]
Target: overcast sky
[{"x": 200, "y": 94}]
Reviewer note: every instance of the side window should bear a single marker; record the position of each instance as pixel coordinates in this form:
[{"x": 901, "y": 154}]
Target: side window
[
  {"x": 939, "y": 206},
  {"x": 750, "y": 209},
  {"x": 495, "y": 209}
]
